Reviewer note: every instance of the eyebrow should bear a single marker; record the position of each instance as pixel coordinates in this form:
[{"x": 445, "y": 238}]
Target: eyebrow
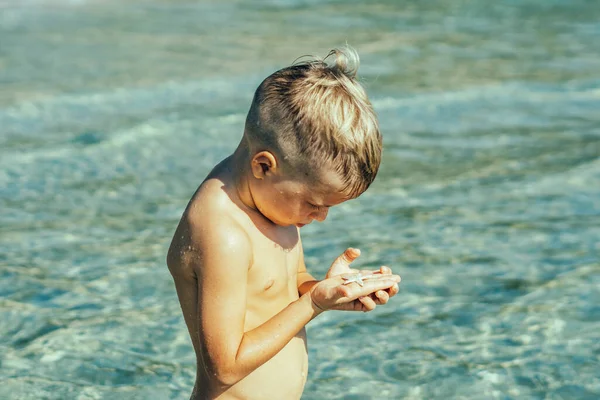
[{"x": 320, "y": 205}]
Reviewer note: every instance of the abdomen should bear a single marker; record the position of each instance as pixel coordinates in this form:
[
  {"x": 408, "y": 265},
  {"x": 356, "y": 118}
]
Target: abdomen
[{"x": 282, "y": 377}]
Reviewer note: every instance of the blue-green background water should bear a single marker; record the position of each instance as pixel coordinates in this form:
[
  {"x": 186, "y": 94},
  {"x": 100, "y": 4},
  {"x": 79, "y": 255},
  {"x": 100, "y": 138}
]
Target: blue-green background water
[{"x": 487, "y": 203}]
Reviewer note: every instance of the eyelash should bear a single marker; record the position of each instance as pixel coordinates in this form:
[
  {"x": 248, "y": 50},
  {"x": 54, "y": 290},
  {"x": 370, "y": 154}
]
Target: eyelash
[{"x": 313, "y": 206}]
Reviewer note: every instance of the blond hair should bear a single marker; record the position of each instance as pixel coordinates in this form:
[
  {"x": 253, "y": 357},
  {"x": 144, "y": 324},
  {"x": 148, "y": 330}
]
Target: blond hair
[{"x": 315, "y": 112}]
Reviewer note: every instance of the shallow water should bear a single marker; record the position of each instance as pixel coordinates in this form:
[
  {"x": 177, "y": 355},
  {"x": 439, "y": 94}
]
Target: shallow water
[{"x": 487, "y": 203}]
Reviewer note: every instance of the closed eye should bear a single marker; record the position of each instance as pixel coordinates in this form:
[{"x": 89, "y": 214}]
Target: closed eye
[{"x": 314, "y": 207}]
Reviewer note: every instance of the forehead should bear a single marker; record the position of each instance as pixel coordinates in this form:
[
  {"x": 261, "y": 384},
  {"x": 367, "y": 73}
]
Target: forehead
[{"x": 325, "y": 186}]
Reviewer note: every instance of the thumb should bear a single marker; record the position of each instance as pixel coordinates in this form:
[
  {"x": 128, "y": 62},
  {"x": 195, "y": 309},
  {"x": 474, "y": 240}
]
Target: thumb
[
  {"x": 349, "y": 255},
  {"x": 342, "y": 263}
]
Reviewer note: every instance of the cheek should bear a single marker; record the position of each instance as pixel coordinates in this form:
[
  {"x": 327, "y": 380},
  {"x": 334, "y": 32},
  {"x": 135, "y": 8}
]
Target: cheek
[
  {"x": 293, "y": 207},
  {"x": 279, "y": 205}
]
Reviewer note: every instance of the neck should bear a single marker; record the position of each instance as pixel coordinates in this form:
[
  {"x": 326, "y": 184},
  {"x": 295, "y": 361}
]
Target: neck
[{"x": 239, "y": 165}]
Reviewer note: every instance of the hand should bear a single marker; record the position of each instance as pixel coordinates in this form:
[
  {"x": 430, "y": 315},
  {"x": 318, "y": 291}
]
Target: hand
[
  {"x": 333, "y": 294},
  {"x": 341, "y": 265}
]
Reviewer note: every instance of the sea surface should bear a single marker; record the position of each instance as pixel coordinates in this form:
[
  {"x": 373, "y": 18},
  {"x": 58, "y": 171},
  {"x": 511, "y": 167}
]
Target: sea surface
[{"x": 487, "y": 202}]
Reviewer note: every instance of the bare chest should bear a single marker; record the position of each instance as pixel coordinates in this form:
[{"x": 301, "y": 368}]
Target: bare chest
[
  {"x": 272, "y": 280},
  {"x": 273, "y": 270}
]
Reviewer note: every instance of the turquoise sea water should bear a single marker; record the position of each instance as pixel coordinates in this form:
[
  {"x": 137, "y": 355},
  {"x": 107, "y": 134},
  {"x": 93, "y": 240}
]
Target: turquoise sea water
[{"x": 487, "y": 203}]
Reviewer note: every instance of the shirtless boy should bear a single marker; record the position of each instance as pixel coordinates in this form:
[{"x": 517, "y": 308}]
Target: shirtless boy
[{"x": 311, "y": 141}]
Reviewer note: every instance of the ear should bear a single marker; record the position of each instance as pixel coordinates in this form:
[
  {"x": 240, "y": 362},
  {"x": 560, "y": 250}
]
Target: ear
[{"x": 263, "y": 163}]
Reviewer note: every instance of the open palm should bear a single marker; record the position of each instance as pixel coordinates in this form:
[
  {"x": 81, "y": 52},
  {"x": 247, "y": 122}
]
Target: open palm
[{"x": 341, "y": 265}]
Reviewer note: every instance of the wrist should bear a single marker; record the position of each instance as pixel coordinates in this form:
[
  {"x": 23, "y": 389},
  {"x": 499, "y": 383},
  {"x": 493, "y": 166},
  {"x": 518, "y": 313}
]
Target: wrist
[
  {"x": 306, "y": 286},
  {"x": 315, "y": 307}
]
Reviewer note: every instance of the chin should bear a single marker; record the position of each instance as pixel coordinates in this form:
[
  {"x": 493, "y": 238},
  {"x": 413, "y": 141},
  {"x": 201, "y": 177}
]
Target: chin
[{"x": 279, "y": 222}]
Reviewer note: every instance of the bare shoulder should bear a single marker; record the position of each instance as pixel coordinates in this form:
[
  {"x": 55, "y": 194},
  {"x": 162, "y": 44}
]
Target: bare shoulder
[{"x": 208, "y": 229}]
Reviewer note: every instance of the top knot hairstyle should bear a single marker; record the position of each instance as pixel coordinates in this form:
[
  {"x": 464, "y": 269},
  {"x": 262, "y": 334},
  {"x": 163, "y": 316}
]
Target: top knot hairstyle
[{"x": 315, "y": 113}]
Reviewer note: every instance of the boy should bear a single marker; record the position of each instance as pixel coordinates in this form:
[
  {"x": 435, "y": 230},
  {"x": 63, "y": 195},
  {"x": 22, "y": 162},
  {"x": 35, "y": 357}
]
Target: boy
[{"x": 311, "y": 141}]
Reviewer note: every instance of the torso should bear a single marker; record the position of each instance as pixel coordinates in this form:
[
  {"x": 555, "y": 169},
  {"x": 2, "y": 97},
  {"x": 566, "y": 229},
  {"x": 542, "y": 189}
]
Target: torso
[{"x": 271, "y": 286}]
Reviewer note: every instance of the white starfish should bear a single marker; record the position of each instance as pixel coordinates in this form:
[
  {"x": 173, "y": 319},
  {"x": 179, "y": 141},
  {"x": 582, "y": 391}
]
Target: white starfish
[{"x": 358, "y": 278}]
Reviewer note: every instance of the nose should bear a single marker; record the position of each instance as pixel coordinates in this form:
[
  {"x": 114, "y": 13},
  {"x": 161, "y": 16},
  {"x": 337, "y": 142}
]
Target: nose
[{"x": 320, "y": 215}]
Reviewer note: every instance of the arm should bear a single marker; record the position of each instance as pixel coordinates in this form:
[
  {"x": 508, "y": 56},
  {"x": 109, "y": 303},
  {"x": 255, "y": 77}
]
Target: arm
[{"x": 224, "y": 256}]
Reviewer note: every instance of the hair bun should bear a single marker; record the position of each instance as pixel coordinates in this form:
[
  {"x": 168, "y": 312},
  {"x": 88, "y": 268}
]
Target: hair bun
[{"x": 346, "y": 61}]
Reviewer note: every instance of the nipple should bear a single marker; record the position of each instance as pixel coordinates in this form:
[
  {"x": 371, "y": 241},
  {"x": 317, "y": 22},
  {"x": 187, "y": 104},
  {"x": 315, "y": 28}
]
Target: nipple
[{"x": 269, "y": 283}]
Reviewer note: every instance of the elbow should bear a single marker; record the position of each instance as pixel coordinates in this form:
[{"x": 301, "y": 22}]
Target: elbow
[
  {"x": 228, "y": 368},
  {"x": 227, "y": 376},
  {"x": 227, "y": 372}
]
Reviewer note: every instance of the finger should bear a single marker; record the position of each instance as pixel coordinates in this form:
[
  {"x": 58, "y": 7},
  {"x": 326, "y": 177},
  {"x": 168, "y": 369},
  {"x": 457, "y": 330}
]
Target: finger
[
  {"x": 382, "y": 296},
  {"x": 349, "y": 255},
  {"x": 376, "y": 277},
  {"x": 370, "y": 274},
  {"x": 381, "y": 271},
  {"x": 354, "y": 305},
  {"x": 368, "y": 303},
  {"x": 383, "y": 282},
  {"x": 385, "y": 270},
  {"x": 393, "y": 290},
  {"x": 365, "y": 275}
]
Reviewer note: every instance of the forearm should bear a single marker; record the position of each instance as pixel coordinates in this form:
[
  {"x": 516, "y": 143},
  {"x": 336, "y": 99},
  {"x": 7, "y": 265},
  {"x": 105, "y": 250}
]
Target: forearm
[
  {"x": 305, "y": 282},
  {"x": 265, "y": 341}
]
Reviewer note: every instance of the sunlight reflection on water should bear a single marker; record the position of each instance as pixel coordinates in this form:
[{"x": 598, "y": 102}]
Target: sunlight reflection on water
[{"x": 487, "y": 202}]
